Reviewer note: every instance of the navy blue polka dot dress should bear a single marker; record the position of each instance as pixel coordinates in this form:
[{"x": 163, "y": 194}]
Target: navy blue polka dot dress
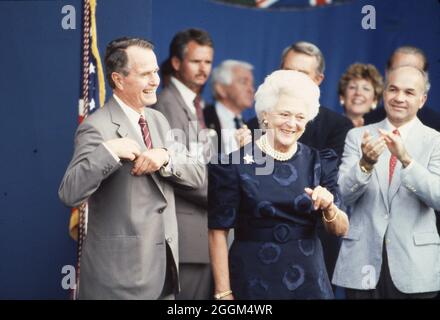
[{"x": 276, "y": 253}]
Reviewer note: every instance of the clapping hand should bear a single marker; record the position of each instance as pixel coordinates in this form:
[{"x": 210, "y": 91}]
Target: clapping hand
[
  {"x": 322, "y": 198},
  {"x": 395, "y": 145},
  {"x": 372, "y": 149}
]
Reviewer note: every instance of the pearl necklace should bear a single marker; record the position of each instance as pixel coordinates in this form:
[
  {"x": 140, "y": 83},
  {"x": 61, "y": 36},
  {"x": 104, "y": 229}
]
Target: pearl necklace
[{"x": 264, "y": 145}]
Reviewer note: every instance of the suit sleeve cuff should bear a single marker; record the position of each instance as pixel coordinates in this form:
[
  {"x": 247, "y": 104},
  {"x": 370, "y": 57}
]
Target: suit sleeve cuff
[{"x": 111, "y": 152}]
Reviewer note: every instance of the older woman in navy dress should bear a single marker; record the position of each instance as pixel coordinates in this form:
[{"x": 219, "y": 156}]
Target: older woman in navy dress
[{"x": 273, "y": 193}]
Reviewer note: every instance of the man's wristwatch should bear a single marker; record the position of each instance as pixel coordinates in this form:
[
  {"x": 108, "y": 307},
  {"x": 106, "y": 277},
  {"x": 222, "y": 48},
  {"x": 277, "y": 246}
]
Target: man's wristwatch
[
  {"x": 169, "y": 157},
  {"x": 364, "y": 169}
]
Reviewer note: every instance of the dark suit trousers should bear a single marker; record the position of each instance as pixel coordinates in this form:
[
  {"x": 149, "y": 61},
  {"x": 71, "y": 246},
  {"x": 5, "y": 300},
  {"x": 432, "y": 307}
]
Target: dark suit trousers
[
  {"x": 170, "y": 275},
  {"x": 196, "y": 281},
  {"x": 385, "y": 288}
]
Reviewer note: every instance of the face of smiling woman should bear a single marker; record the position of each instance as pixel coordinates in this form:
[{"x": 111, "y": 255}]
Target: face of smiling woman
[
  {"x": 359, "y": 98},
  {"x": 286, "y": 122}
]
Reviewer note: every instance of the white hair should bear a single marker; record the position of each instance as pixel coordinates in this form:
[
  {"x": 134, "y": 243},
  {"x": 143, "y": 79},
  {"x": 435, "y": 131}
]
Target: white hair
[
  {"x": 291, "y": 83},
  {"x": 223, "y": 72}
]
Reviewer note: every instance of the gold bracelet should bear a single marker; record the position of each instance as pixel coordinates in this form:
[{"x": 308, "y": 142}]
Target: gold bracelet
[
  {"x": 221, "y": 295},
  {"x": 332, "y": 219}
]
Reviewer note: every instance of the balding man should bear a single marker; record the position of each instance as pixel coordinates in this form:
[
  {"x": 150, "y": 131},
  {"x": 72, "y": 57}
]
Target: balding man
[
  {"x": 408, "y": 56},
  {"x": 390, "y": 175}
]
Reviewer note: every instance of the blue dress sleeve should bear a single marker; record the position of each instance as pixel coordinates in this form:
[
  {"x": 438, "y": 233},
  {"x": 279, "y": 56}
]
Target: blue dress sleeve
[
  {"x": 329, "y": 174},
  {"x": 223, "y": 195}
]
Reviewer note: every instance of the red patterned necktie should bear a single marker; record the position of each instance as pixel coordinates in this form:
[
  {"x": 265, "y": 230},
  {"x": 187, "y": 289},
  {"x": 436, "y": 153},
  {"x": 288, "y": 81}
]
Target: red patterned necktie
[
  {"x": 199, "y": 111},
  {"x": 145, "y": 132},
  {"x": 393, "y": 161}
]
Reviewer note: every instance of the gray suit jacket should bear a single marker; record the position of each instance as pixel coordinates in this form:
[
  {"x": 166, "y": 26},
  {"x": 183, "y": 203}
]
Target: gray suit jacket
[
  {"x": 402, "y": 214},
  {"x": 131, "y": 218},
  {"x": 191, "y": 205}
]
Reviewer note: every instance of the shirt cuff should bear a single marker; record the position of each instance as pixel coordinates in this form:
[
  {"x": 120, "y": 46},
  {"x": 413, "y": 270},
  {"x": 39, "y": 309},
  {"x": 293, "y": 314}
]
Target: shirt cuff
[
  {"x": 167, "y": 170},
  {"x": 408, "y": 167},
  {"x": 111, "y": 152}
]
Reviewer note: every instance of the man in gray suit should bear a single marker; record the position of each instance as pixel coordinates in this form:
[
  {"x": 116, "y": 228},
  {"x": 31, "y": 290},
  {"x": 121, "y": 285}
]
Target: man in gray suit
[
  {"x": 191, "y": 55},
  {"x": 390, "y": 175},
  {"x": 123, "y": 166}
]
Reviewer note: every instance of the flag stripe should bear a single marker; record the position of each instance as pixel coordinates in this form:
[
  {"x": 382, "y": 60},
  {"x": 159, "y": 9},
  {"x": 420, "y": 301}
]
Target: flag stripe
[{"x": 91, "y": 95}]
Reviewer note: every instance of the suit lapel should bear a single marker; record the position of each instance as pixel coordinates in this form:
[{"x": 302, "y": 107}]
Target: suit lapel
[
  {"x": 156, "y": 141},
  {"x": 382, "y": 166},
  {"x": 193, "y": 129},
  {"x": 190, "y": 115},
  {"x": 213, "y": 123},
  {"x": 211, "y": 118},
  {"x": 152, "y": 127},
  {"x": 125, "y": 129}
]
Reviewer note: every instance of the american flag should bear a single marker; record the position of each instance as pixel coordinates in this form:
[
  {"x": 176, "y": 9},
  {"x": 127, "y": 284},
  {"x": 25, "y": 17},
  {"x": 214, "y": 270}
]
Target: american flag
[
  {"x": 283, "y": 4},
  {"x": 92, "y": 96},
  {"x": 291, "y": 3}
]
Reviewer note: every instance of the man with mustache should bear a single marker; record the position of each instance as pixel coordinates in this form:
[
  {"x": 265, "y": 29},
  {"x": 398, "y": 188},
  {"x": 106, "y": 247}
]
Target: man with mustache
[{"x": 190, "y": 56}]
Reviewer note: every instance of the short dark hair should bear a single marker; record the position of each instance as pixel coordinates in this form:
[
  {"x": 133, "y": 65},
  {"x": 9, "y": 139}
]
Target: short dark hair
[
  {"x": 116, "y": 56},
  {"x": 409, "y": 50},
  {"x": 182, "y": 38}
]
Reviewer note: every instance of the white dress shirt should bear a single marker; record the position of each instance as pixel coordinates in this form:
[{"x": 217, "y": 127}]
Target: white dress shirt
[{"x": 132, "y": 115}]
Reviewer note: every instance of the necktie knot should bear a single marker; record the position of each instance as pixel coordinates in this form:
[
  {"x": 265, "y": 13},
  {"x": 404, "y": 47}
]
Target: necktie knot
[
  {"x": 395, "y": 131},
  {"x": 142, "y": 121}
]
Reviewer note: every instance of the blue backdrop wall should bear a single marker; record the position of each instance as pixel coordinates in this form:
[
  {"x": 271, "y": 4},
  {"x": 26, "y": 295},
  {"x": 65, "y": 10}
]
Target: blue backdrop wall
[{"x": 39, "y": 91}]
